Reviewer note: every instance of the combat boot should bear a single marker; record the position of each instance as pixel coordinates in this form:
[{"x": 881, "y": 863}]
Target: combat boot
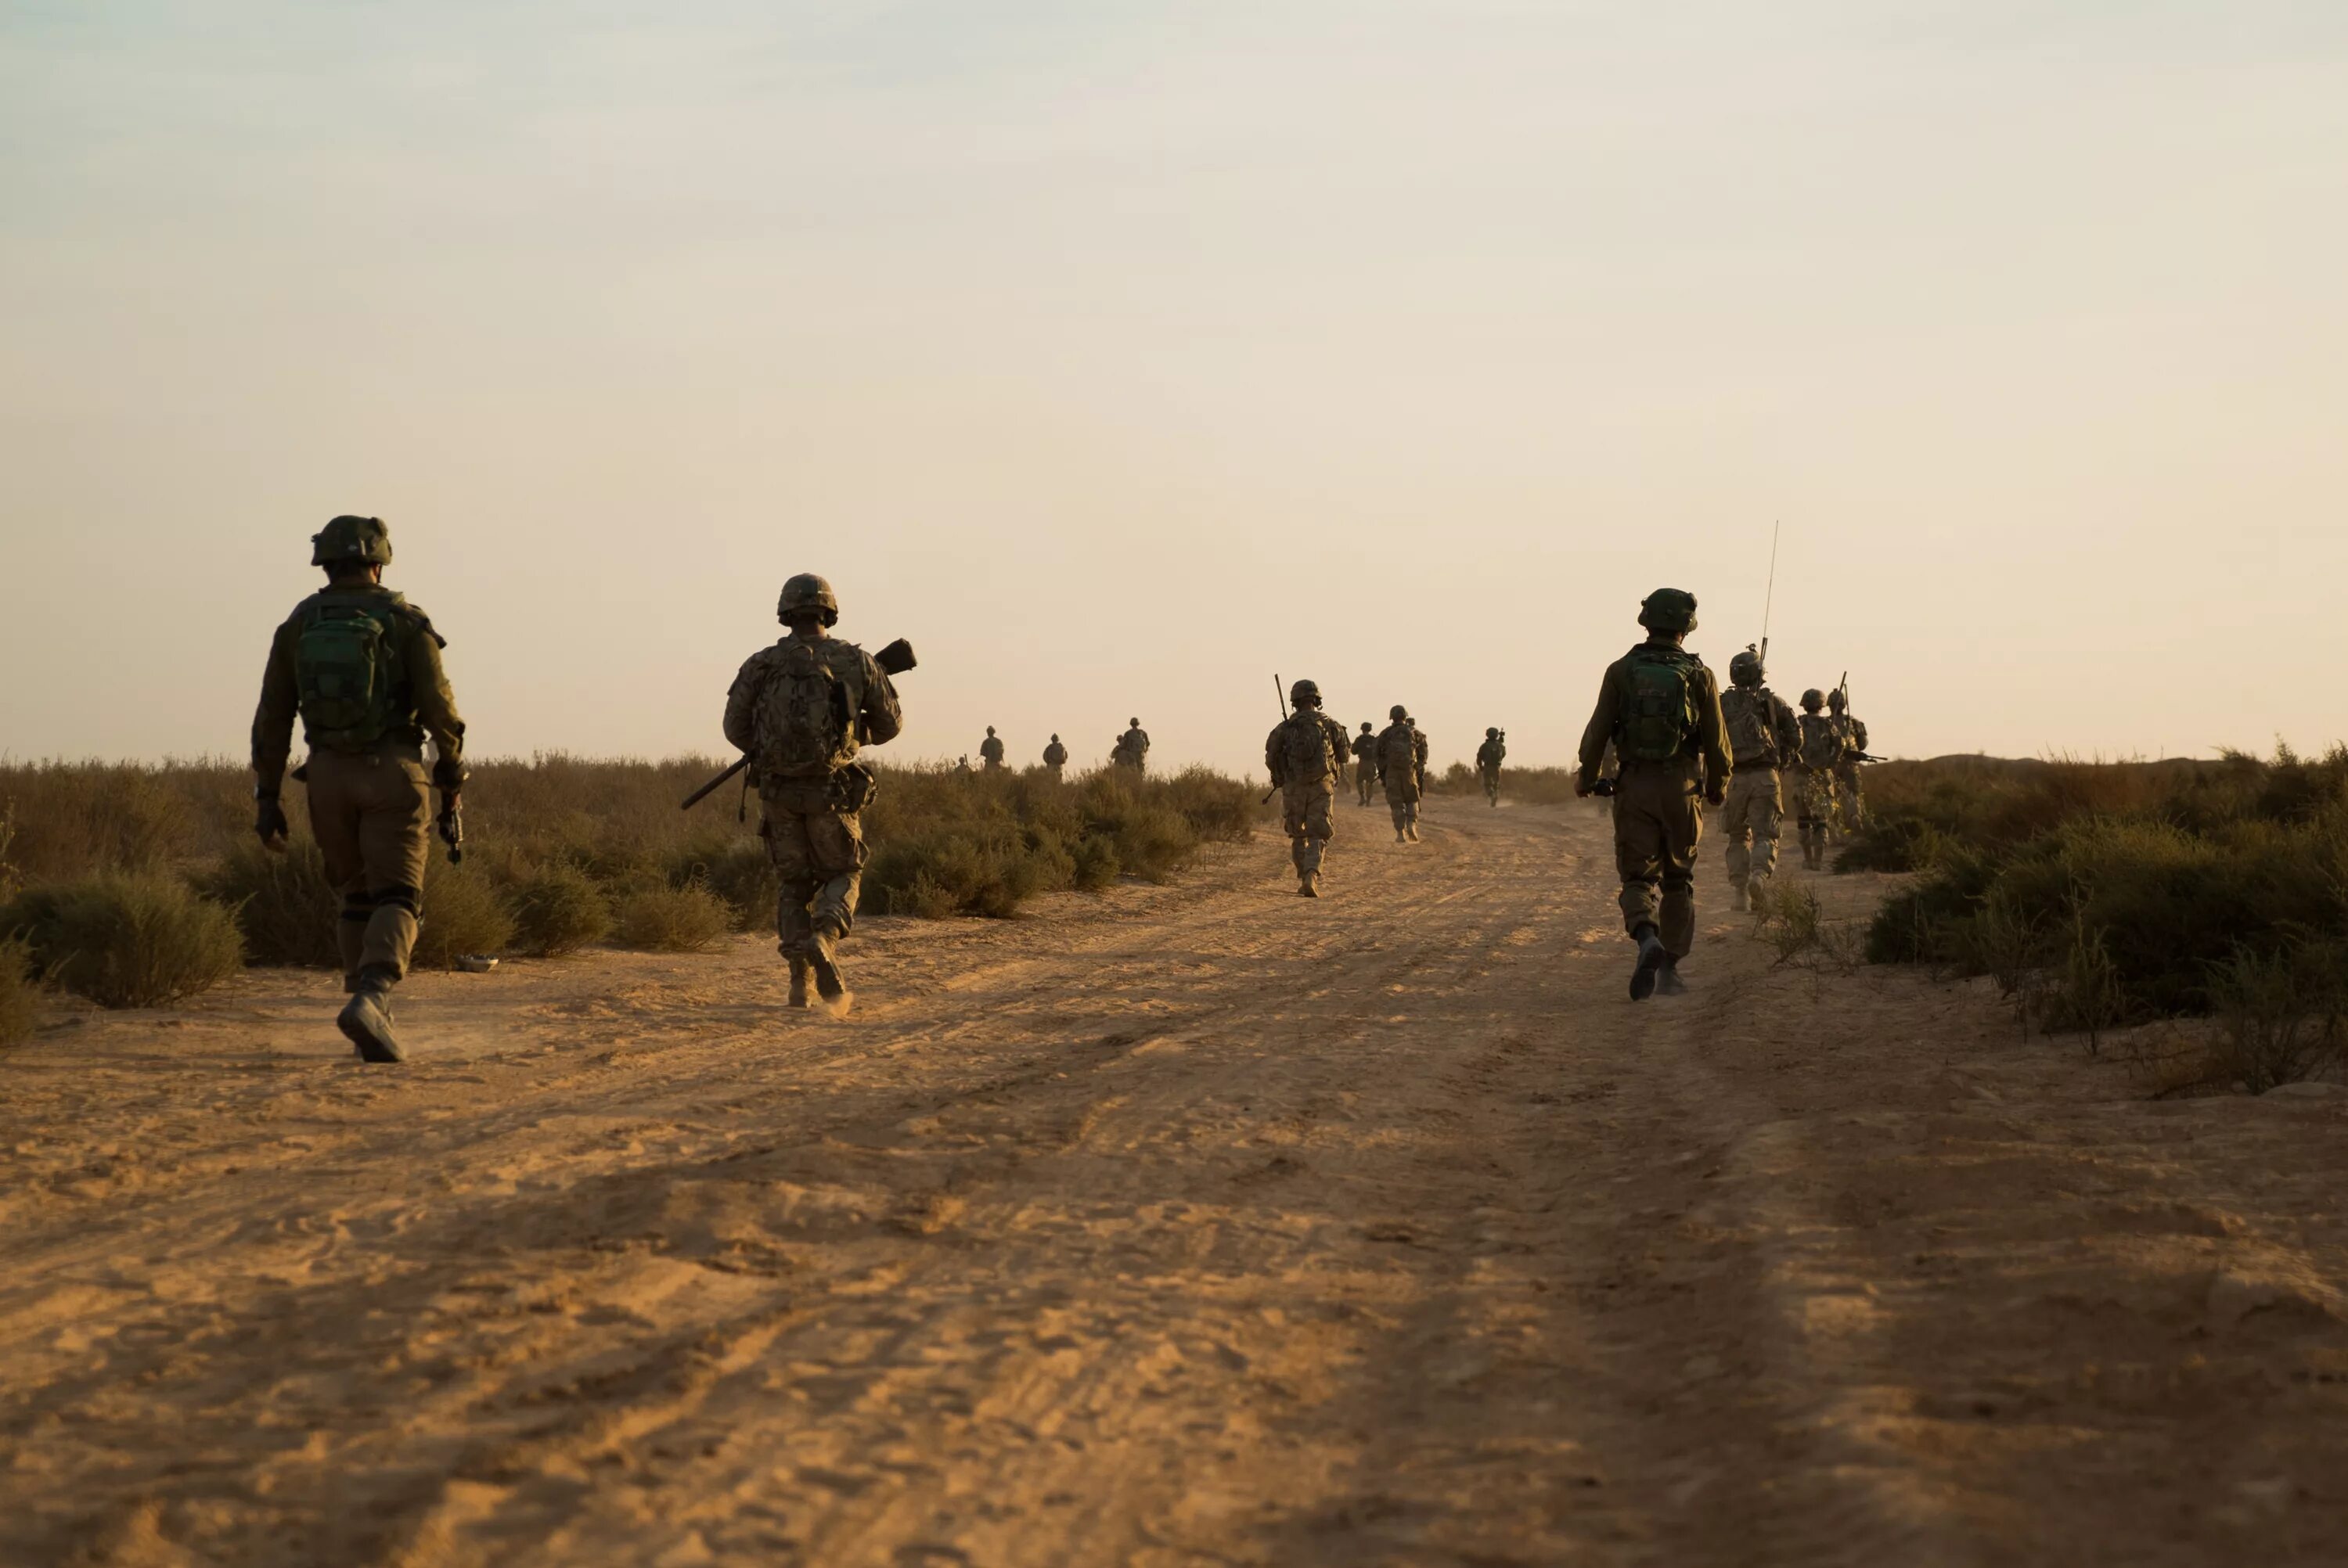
[
  {"x": 1738, "y": 898},
  {"x": 1308, "y": 885},
  {"x": 1667, "y": 979},
  {"x": 822, "y": 957},
  {"x": 799, "y": 997},
  {"x": 366, "y": 1019},
  {"x": 1653, "y": 960}
]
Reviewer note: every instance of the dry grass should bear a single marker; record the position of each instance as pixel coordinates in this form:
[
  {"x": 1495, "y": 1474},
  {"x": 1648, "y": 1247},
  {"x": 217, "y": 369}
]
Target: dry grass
[
  {"x": 126, "y": 940},
  {"x": 20, "y": 995}
]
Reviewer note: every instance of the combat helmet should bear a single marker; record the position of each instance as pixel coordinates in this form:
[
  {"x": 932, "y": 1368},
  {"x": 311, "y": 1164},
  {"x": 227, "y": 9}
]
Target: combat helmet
[
  {"x": 1133, "y": 723},
  {"x": 1836, "y": 701},
  {"x": 1744, "y": 669},
  {"x": 351, "y": 538},
  {"x": 1366, "y": 726},
  {"x": 1668, "y": 609},
  {"x": 1305, "y": 693},
  {"x": 805, "y": 592},
  {"x": 1491, "y": 732},
  {"x": 1813, "y": 700},
  {"x": 1397, "y": 712}
]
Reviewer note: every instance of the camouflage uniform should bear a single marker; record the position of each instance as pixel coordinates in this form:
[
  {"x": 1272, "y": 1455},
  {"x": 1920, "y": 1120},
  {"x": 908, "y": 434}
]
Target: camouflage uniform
[
  {"x": 990, "y": 750},
  {"x": 370, "y": 809},
  {"x": 1851, "y": 808},
  {"x": 1055, "y": 756},
  {"x": 812, "y": 826},
  {"x": 1821, "y": 751},
  {"x": 1488, "y": 757},
  {"x": 1132, "y": 748},
  {"x": 1763, "y": 737},
  {"x": 1304, "y": 755},
  {"x": 1366, "y": 761},
  {"x": 1400, "y": 754},
  {"x": 1658, "y": 822}
]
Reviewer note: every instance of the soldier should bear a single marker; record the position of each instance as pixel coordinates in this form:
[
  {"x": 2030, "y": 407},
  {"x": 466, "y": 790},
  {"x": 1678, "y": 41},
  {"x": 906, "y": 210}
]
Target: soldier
[
  {"x": 800, "y": 711},
  {"x": 1821, "y": 755},
  {"x": 1661, "y": 707},
  {"x": 990, "y": 751},
  {"x": 962, "y": 768},
  {"x": 1401, "y": 757},
  {"x": 1055, "y": 756},
  {"x": 1132, "y": 749},
  {"x": 361, "y": 667},
  {"x": 1305, "y": 756},
  {"x": 1365, "y": 760},
  {"x": 1762, "y": 738},
  {"x": 1488, "y": 757},
  {"x": 1851, "y": 807}
]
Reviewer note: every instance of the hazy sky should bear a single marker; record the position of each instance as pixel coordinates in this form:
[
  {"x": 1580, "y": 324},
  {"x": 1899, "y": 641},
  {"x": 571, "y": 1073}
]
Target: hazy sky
[{"x": 1122, "y": 355}]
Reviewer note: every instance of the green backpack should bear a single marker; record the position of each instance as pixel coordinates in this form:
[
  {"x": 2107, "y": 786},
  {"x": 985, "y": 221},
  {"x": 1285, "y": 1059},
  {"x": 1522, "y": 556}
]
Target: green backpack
[
  {"x": 1658, "y": 707},
  {"x": 347, "y": 674}
]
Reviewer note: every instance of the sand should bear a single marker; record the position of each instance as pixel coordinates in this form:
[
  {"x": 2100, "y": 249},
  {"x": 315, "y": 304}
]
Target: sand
[{"x": 1198, "y": 1223}]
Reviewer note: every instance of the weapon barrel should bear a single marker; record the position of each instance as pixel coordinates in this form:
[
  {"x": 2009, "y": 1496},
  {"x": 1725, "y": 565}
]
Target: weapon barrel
[{"x": 698, "y": 796}]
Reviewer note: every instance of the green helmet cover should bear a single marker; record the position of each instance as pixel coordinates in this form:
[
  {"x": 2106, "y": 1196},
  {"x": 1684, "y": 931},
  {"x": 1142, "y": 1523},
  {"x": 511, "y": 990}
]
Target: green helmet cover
[
  {"x": 1305, "y": 693},
  {"x": 1813, "y": 700},
  {"x": 1668, "y": 609},
  {"x": 807, "y": 591},
  {"x": 351, "y": 538},
  {"x": 1744, "y": 669}
]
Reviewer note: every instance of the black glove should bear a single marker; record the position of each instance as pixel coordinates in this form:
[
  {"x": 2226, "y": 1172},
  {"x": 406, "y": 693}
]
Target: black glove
[
  {"x": 269, "y": 824},
  {"x": 448, "y": 776}
]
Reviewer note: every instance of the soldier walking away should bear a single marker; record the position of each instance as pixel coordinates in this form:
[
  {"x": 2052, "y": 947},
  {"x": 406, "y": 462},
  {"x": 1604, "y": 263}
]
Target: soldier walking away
[
  {"x": 1400, "y": 760},
  {"x": 1850, "y": 804},
  {"x": 1820, "y": 755},
  {"x": 1305, "y": 757},
  {"x": 361, "y": 667},
  {"x": 1661, "y": 707},
  {"x": 1055, "y": 756},
  {"x": 1365, "y": 760},
  {"x": 1762, "y": 738},
  {"x": 1488, "y": 757},
  {"x": 800, "y": 710},
  {"x": 990, "y": 751},
  {"x": 1132, "y": 748}
]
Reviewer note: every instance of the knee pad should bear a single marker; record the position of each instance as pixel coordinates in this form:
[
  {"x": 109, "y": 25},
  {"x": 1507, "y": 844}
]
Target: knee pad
[{"x": 399, "y": 896}]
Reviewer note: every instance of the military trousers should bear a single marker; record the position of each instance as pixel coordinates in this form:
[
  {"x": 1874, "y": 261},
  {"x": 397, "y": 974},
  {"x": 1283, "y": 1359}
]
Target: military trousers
[
  {"x": 371, "y": 812},
  {"x": 1658, "y": 822},
  {"x": 1491, "y": 784},
  {"x": 1814, "y": 805},
  {"x": 1851, "y": 808},
  {"x": 1304, "y": 812},
  {"x": 1402, "y": 801},
  {"x": 1366, "y": 776},
  {"x": 1756, "y": 806},
  {"x": 818, "y": 853}
]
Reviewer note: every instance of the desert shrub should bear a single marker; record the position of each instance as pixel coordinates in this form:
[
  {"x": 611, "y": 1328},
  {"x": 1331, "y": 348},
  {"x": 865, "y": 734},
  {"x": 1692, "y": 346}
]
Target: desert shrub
[
  {"x": 558, "y": 909},
  {"x": 739, "y": 871},
  {"x": 665, "y": 919},
  {"x": 283, "y": 902},
  {"x": 462, "y": 915},
  {"x": 1094, "y": 865},
  {"x": 127, "y": 940},
  {"x": 20, "y": 993},
  {"x": 2280, "y": 1015}
]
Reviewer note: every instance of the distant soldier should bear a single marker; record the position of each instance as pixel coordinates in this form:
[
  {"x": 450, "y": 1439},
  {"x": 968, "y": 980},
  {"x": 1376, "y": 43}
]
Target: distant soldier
[
  {"x": 800, "y": 711},
  {"x": 1762, "y": 738},
  {"x": 1661, "y": 707},
  {"x": 1821, "y": 756},
  {"x": 1851, "y": 807},
  {"x": 1400, "y": 761},
  {"x": 1365, "y": 760},
  {"x": 361, "y": 667},
  {"x": 1488, "y": 757},
  {"x": 1055, "y": 756},
  {"x": 990, "y": 750},
  {"x": 1305, "y": 757},
  {"x": 1132, "y": 748},
  {"x": 962, "y": 768}
]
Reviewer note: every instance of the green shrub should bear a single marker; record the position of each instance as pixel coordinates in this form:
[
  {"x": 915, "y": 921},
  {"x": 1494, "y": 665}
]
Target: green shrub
[
  {"x": 739, "y": 871},
  {"x": 2280, "y": 1015},
  {"x": 558, "y": 909},
  {"x": 663, "y": 919},
  {"x": 462, "y": 915},
  {"x": 127, "y": 940},
  {"x": 283, "y": 902},
  {"x": 20, "y": 994}
]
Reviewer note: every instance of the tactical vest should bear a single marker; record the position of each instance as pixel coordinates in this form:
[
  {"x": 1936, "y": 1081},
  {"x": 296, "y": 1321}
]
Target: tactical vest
[
  {"x": 1822, "y": 745},
  {"x": 1306, "y": 756},
  {"x": 804, "y": 726},
  {"x": 1659, "y": 716},
  {"x": 348, "y": 672},
  {"x": 1748, "y": 714},
  {"x": 1398, "y": 749}
]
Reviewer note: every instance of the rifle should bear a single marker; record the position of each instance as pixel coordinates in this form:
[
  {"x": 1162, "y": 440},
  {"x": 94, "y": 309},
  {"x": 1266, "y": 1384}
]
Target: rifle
[
  {"x": 893, "y": 660},
  {"x": 451, "y": 824},
  {"x": 1280, "y": 695}
]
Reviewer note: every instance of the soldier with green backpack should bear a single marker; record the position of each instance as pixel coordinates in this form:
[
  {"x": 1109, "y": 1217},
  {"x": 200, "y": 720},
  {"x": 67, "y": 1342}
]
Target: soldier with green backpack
[
  {"x": 1660, "y": 706},
  {"x": 800, "y": 711},
  {"x": 361, "y": 667},
  {"x": 1305, "y": 757}
]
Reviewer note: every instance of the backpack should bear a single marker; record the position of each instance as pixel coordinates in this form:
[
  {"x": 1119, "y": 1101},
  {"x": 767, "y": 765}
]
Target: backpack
[
  {"x": 1304, "y": 752},
  {"x": 1398, "y": 749},
  {"x": 801, "y": 727},
  {"x": 1822, "y": 745},
  {"x": 1658, "y": 707},
  {"x": 1751, "y": 735},
  {"x": 347, "y": 674}
]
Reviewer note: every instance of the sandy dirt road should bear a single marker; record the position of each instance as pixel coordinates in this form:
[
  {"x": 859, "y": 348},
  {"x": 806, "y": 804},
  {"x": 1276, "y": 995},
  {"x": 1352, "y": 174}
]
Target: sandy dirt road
[{"x": 1194, "y": 1225}]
